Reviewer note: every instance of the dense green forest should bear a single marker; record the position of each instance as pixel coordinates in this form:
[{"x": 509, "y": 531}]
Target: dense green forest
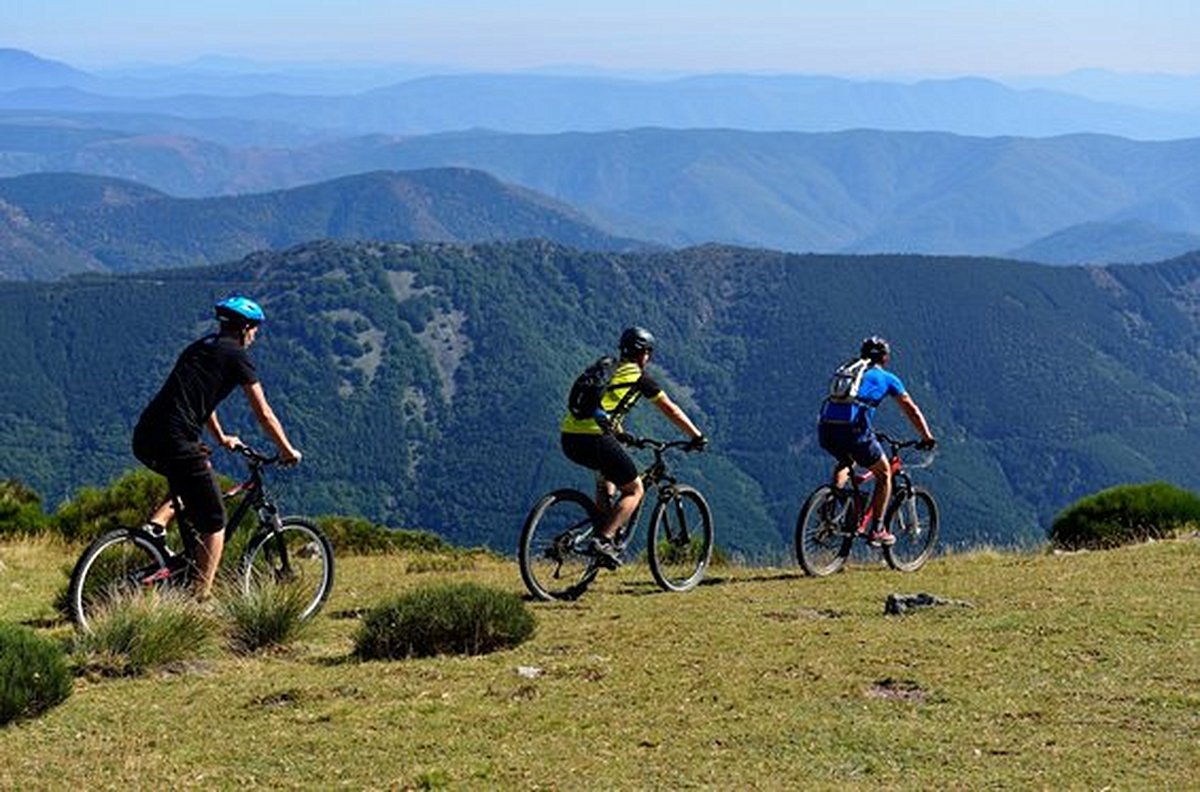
[{"x": 425, "y": 382}]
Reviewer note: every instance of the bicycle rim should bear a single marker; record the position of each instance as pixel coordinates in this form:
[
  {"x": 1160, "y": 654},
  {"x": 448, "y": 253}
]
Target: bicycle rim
[
  {"x": 117, "y": 566},
  {"x": 914, "y": 523},
  {"x": 551, "y": 553},
  {"x": 297, "y": 558},
  {"x": 680, "y": 540},
  {"x": 821, "y": 543}
]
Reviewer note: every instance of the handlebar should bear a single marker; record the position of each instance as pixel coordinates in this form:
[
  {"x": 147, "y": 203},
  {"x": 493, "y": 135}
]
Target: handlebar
[
  {"x": 256, "y": 457},
  {"x": 654, "y": 445}
]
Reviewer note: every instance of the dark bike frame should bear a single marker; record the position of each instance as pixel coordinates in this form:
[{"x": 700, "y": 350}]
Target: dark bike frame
[
  {"x": 856, "y": 504},
  {"x": 655, "y": 475}
]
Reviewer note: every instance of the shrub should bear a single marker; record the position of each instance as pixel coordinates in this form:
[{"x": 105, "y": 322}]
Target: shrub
[
  {"x": 267, "y": 616},
  {"x": 145, "y": 631},
  {"x": 20, "y": 510},
  {"x": 356, "y": 536},
  {"x": 1124, "y": 514},
  {"x": 34, "y": 675},
  {"x": 449, "y": 618},
  {"x": 127, "y": 501}
]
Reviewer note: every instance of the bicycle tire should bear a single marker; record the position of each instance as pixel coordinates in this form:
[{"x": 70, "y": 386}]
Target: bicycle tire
[
  {"x": 117, "y": 564},
  {"x": 821, "y": 542},
  {"x": 298, "y": 554},
  {"x": 913, "y": 520},
  {"x": 553, "y": 565},
  {"x": 678, "y": 548}
]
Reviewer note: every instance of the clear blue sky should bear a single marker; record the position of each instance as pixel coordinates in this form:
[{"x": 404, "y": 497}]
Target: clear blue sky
[{"x": 1001, "y": 37}]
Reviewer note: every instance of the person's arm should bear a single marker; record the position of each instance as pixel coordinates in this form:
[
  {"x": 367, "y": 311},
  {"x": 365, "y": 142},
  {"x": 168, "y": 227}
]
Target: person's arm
[
  {"x": 915, "y": 416},
  {"x": 214, "y": 428},
  {"x": 677, "y": 416},
  {"x": 288, "y": 453}
]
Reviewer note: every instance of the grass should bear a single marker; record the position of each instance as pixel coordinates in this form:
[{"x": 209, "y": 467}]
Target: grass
[{"x": 1071, "y": 671}]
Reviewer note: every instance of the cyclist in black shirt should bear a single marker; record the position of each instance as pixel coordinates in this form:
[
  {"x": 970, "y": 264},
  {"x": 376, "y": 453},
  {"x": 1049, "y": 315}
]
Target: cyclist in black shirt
[{"x": 167, "y": 436}]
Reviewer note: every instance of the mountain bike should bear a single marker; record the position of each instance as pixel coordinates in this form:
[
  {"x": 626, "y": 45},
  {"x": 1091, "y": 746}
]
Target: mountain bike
[
  {"x": 554, "y": 550},
  {"x": 832, "y": 518},
  {"x": 284, "y": 550}
]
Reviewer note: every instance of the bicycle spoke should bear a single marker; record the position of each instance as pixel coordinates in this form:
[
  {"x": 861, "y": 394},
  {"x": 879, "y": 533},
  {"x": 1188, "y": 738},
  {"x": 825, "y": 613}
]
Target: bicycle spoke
[{"x": 553, "y": 552}]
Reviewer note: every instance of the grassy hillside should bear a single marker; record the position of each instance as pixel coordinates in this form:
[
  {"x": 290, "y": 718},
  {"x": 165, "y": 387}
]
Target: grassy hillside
[
  {"x": 426, "y": 383},
  {"x": 1069, "y": 671}
]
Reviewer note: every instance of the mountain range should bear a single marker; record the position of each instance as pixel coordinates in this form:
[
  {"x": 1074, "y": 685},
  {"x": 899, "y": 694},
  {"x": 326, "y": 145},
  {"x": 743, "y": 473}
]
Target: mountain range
[
  {"x": 56, "y": 224},
  {"x": 544, "y": 103},
  {"x": 1073, "y": 199},
  {"x": 426, "y": 382}
]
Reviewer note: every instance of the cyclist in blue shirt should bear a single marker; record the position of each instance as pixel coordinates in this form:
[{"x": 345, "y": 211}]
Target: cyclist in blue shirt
[{"x": 845, "y": 431}]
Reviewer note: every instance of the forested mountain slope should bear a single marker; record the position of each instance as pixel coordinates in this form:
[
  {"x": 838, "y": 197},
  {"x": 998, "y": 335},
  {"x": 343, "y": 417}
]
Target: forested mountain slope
[
  {"x": 425, "y": 383},
  {"x": 861, "y": 191},
  {"x": 74, "y": 222}
]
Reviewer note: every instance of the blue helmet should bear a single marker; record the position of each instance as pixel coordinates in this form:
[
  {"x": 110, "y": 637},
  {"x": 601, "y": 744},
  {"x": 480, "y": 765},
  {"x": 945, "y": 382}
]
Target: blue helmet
[{"x": 240, "y": 310}]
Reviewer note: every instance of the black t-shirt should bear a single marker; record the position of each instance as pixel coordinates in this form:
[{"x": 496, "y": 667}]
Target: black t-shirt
[{"x": 205, "y": 373}]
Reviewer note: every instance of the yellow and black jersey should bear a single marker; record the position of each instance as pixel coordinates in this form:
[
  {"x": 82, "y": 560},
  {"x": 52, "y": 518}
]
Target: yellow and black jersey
[{"x": 628, "y": 377}]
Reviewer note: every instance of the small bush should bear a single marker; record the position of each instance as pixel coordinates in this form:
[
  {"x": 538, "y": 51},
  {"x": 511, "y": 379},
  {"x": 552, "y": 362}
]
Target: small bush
[
  {"x": 127, "y": 501},
  {"x": 268, "y": 616},
  {"x": 145, "y": 631},
  {"x": 1126, "y": 514},
  {"x": 34, "y": 675},
  {"x": 449, "y": 618},
  {"x": 20, "y": 510},
  {"x": 356, "y": 536}
]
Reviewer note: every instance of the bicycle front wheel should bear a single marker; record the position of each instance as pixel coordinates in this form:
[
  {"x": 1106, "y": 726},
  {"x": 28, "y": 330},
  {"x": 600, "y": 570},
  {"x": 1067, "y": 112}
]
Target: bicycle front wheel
[
  {"x": 681, "y": 540},
  {"x": 297, "y": 555},
  {"x": 913, "y": 520},
  {"x": 822, "y": 544},
  {"x": 117, "y": 565},
  {"x": 553, "y": 553}
]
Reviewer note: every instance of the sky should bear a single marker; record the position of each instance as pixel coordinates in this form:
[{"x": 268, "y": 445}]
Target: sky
[{"x": 847, "y": 37}]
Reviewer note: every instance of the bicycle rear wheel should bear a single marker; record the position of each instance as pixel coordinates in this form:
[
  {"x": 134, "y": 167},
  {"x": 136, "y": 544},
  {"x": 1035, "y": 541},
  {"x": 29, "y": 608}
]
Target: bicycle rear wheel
[
  {"x": 117, "y": 565},
  {"x": 297, "y": 556},
  {"x": 681, "y": 540},
  {"x": 822, "y": 544},
  {"x": 913, "y": 520},
  {"x": 552, "y": 552}
]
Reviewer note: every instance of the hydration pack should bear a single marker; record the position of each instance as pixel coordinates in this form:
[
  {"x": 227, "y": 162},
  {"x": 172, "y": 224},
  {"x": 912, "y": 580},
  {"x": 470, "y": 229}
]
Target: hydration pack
[
  {"x": 845, "y": 382},
  {"x": 583, "y": 401}
]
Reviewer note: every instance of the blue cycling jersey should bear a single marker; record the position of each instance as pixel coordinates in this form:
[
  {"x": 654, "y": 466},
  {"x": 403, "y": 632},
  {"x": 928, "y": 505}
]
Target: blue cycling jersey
[{"x": 877, "y": 384}]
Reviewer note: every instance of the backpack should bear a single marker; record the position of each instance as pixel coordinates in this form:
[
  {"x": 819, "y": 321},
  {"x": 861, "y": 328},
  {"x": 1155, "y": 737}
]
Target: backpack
[
  {"x": 588, "y": 389},
  {"x": 845, "y": 382}
]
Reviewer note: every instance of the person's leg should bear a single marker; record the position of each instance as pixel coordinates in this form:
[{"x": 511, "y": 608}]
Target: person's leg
[
  {"x": 631, "y": 496},
  {"x": 204, "y": 511},
  {"x": 882, "y": 492}
]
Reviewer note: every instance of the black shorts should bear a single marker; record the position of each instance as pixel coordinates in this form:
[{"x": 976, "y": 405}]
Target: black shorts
[
  {"x": 847, "y": 442},
  {"x": 192, "y": 479},
  {"x": 602, "y": 453}
]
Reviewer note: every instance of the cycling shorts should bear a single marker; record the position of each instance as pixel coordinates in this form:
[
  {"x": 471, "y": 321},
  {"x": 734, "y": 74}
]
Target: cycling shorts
[
  {"x": 191, "y": 478},
  {"x": 600, "y": 452},
  {"x": 849, "y": 443}
]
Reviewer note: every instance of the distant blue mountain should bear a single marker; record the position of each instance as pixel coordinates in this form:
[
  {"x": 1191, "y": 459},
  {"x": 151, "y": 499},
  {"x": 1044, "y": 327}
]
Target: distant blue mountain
[{"x": 542, "y": 103}]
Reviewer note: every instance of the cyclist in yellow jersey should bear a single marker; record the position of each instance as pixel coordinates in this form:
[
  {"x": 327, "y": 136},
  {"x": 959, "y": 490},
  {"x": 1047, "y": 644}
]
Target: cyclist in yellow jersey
[{"x": 594, "y": 443}]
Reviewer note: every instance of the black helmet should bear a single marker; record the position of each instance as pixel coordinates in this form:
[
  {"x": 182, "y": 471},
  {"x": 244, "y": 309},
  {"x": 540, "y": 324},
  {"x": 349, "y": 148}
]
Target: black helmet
[
  {"x": 874, "y": 348},
  {"x": 634, "y": 341}
]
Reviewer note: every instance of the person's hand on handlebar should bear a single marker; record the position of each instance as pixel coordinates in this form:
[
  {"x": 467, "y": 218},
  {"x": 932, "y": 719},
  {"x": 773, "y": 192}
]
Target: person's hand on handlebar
[
  {"x": 928, "y": 444},
  {"x": 289, "y": 456},
  {"x": 699, "y": 443}
]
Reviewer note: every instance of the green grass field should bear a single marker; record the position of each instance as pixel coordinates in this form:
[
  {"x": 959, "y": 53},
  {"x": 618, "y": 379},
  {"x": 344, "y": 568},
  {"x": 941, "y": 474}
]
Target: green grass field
[{"x": 1069, "y": 671}]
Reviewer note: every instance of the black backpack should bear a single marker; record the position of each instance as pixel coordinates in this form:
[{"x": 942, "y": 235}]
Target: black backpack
[
  {"x": 844, "y": 384},
  {"x": 588, "y": 389}
]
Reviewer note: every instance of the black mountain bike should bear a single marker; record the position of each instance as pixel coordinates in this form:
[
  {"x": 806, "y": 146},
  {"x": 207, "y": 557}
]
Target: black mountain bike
[
  {"x": 833, "y": 518},
  {"x": 283, "y": 550},
  {"x": 554, "y": 555}
]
